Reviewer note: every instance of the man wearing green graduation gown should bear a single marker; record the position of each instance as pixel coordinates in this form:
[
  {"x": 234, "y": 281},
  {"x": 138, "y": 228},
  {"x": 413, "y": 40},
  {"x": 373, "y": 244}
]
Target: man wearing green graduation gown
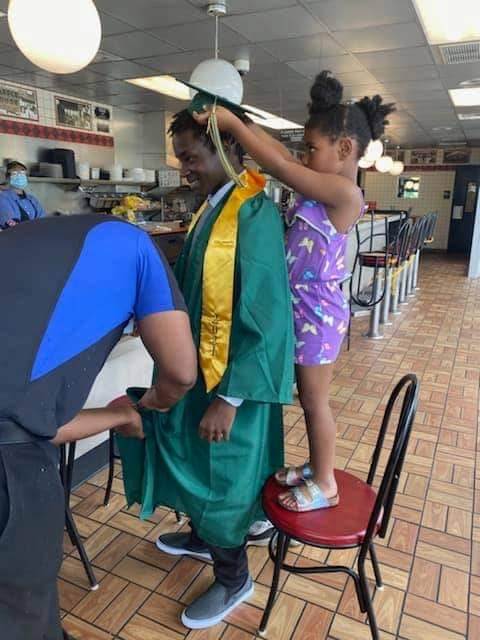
[{"x": 211, "y": 454}]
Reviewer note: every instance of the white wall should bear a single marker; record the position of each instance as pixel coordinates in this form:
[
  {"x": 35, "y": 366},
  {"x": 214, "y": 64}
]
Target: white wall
[
  {"x": 128, "y": 134},
  {"x": 382, "y": 188}
]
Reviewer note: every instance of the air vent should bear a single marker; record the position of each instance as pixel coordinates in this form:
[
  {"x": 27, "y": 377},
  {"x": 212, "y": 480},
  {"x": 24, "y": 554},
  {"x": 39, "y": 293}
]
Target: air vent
[{"x": 461, "y": 52}]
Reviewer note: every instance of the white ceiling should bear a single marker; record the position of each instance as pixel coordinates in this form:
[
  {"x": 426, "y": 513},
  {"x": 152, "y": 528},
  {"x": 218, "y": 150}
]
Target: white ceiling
[{"x": 374, "y": 46}]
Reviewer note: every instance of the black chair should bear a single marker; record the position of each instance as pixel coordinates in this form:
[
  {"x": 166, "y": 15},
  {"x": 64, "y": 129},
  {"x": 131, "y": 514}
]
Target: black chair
[
  {"x": 400, "y": 255},
  {"x": 361, "y": 515}
]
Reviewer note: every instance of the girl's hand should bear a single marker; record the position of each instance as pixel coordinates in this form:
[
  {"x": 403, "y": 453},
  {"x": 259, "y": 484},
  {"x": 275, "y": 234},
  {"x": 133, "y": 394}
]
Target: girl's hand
[{"x": 225, "y": 118}]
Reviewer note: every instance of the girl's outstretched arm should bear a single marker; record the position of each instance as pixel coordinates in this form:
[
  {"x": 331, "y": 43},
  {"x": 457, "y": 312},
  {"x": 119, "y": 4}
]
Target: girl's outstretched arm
[{"x": 341, "y": 196}]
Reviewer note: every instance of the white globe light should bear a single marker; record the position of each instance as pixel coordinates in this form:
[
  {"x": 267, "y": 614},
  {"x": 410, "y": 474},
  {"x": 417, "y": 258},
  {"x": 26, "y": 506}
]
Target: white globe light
[
  {"x": 384, "y": 164},
  {"x": 365, "y": 162},
  {"x": 220, "y": 78},
  {"x": 374, "y": 150},
  {"x": 397, "y": 168},
  {"x": 60, "y": 36}
]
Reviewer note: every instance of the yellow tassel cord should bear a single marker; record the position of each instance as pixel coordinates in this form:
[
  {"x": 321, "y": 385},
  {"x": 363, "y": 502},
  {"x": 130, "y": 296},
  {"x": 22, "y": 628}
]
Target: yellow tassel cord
[{"x": 214, "y": 132}]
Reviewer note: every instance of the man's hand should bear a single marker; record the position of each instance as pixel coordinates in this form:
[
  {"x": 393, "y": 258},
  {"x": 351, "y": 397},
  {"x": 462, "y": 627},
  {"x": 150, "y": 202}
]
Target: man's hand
[
  {"x": 217, "y": 421},
  {"x": 132, "y": 426}
]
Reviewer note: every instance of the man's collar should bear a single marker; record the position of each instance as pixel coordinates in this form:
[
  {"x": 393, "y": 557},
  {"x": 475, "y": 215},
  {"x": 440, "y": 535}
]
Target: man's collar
[{"x": 215, "y": 198}]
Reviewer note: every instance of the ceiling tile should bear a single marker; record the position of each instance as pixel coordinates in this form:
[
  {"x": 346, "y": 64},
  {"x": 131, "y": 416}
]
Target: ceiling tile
[
  {"x": 85, "y": 76},
  {"x": 150, "y": 14},
  {"x": 473, "y": 134},
  {"x": 356, "y": 78},
  {"x": 413, "y": 88},
  {"x": 111, "y": 26},
  {"x": 414, "y": 57},
  {"x": 406, "y": 74},
  {"x": 122, "y": 69},
  {"x": 460, "y": 71},
  {"x": 185, "y": 62},
  {"x": 5, "y": 35},
  {"x": 303, "y": 48},
  {"x": 136, "y": 44},
  {"x": 290, "y": 22},
  {"x": 396, "y": 36},
  {"x": 352, "y": 14},
  {"x": 13, "y": 58},
  {"x": 336, "y": 64},
  {"x": 201, "y": 36}
]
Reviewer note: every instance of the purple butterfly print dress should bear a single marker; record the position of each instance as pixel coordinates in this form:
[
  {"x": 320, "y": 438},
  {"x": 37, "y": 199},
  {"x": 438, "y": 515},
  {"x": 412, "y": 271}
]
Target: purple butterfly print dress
[{"x": 316, "y": 268}]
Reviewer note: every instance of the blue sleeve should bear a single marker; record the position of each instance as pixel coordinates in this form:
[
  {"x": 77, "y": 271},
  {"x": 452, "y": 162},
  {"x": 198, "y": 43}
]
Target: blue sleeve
[
  {"x": 157, "y": 289},
  {"x": 7, "y": 211},
  {"x": 39, "y": 210}
]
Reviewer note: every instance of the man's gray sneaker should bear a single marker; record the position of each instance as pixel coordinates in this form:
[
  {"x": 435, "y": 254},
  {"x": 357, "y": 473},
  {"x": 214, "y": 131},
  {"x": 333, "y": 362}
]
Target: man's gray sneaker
[
  {"x": 260, "y": 533},
  {"x": 214, "y": 605},
  {"x": 179, "y": 544}
]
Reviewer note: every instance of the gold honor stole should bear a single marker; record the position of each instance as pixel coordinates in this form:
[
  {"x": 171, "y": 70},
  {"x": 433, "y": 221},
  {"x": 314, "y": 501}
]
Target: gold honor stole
[{"x": 218, "y": 280}]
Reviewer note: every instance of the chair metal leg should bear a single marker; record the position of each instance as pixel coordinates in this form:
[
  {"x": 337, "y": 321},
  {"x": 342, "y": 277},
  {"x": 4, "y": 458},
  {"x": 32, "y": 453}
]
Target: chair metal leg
[
  {"x": 368, "y": 601},
  {"x": 374, "y": 329},
  {"x": 111, "y": 467},
  {"x": 77, "y": 541},
  {"x": 376, "y": 567},
  {"x": 384, "y": 317},
  {"x": 69, "y": 470},
  {"x": 282, "y": 546}
]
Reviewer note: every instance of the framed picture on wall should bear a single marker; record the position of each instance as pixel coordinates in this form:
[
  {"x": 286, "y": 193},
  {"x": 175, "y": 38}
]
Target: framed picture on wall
[
  {"x": 18, "y": 102},
  {"x": 423, "y": 156},
  {"x": 457, "y": 156},
  {"x": 408, "y": 187},
  {"x": 76, "y": 115}
]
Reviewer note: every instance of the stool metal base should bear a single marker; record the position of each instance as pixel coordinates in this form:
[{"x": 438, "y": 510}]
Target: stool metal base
[{"x": 377, "y": 336}]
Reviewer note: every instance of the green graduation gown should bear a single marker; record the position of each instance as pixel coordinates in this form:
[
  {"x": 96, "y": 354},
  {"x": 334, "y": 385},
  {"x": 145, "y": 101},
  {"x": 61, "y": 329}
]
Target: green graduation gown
[{"x": 219, "y": 485}]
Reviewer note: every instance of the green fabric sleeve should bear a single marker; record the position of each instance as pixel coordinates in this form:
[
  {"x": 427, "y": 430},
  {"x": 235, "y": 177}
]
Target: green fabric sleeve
[{"x": 261, "y": 344}]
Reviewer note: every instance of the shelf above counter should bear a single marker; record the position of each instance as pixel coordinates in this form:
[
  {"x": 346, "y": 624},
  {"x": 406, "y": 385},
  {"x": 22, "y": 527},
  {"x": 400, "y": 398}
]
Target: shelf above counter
[{"x": 92, "y": 183}]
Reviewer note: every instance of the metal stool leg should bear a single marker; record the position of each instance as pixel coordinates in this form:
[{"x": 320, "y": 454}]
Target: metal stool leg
[
  {"x": 77, "y": 541},
  {"x": 402, "y": 298},
  {"x": 66, "y": 473},
  {"x": 415, "y": 271},
  {"x": 411, "y": 273},
  {"x": 374, "y": 330},
  {"x": 111, "y": 467},
  {"x": 394, "y": 310},
  {"x": 384, "y": 319}
]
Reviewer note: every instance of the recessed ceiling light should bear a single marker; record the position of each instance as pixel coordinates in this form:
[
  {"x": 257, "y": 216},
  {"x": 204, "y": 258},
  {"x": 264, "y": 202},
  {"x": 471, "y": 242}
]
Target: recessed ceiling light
[
  {"x": 469, "y": 116},
  {"x": 465, "y": 97},
  {"x": 270, "y": 120},
  {"x": 168, "y": 85},
  {"x": 457, "y": 21}
]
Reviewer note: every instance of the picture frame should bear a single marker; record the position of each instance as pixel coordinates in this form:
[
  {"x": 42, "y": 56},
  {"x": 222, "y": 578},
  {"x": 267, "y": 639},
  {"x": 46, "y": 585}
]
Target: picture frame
[
  {"x": 423, "y": 156},
  {"x": 457, "y": 156},
  {"x": 18, "y": 102},
  {"x": 73, "y": 114}
]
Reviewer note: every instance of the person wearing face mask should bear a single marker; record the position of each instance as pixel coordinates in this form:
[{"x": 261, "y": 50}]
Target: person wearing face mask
[{"x": 16, "y": 205}]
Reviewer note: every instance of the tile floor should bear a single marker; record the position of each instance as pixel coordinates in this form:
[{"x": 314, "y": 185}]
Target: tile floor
[{"x": 431, "y": 556}]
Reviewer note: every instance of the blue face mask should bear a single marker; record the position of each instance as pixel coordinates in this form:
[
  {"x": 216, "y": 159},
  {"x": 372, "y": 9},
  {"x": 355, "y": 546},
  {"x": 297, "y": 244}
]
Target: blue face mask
[{"x": 18, "y": 181}]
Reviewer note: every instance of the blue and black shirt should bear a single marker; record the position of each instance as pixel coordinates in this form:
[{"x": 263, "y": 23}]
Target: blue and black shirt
[{"x": 69, "y": 287}]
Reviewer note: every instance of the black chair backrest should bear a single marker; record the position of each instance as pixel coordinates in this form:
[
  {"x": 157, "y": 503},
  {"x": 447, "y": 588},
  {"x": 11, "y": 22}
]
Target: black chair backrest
[
  {"x": 399, "y": 247},
  {"x": 382, "y": 510},
  {"x": 369, "y": 298},
  {"x": 416, "y": 235},
  {"x": 432, "y": 223}
]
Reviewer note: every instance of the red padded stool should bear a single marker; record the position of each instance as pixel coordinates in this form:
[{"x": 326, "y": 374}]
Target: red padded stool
[{"x": 361, "y": 515}]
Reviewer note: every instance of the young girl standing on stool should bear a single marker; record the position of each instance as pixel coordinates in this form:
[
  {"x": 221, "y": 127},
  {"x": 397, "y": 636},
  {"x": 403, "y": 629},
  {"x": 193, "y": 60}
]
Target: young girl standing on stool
[{"x": 336, "y": 137}]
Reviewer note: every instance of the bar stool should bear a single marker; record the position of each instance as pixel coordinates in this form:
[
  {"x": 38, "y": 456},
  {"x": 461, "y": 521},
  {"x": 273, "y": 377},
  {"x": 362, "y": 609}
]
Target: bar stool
[
  {"x": 395, "y": 239},
  {"x": 398, "y": 270},
  {"x": 370, "y": 258},
  {"x": 418, "y": 237}
]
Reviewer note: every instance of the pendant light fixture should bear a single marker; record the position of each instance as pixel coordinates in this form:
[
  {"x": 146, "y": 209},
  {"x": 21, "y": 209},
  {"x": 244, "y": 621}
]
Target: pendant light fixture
[
  {"x": 398, "y": 166},
  {"x": 384, "y": 164},
  {"x": 60, "y": 36}
]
